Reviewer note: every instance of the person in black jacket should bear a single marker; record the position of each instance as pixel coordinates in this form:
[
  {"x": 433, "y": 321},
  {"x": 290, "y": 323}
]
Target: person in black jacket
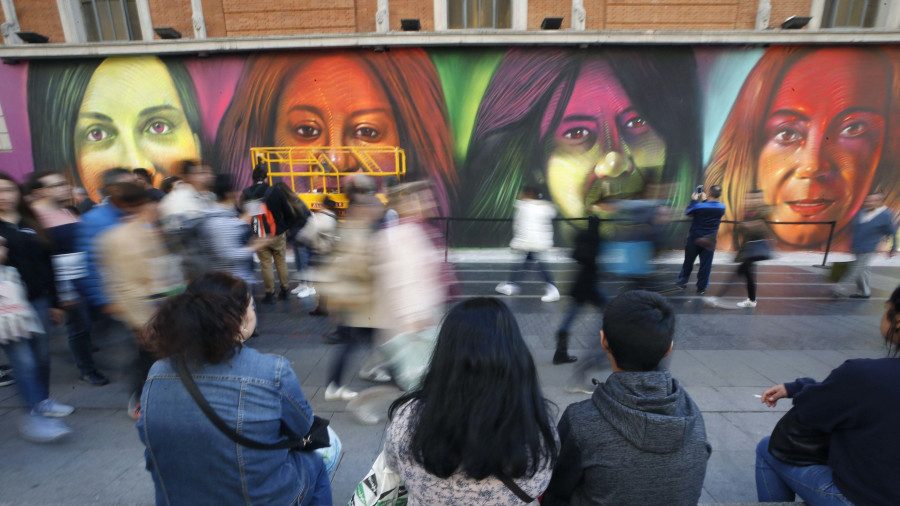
[
  {"x": 858, "y": 405},
  {"x": 271, "y": 222},
  {"x": 585, "y": 290},
  {"x": 26, "y": 247}
]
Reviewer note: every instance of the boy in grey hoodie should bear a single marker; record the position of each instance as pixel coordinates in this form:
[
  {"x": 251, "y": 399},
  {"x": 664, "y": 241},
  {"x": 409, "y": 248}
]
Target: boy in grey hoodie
[{"x": 640, "y": 439}]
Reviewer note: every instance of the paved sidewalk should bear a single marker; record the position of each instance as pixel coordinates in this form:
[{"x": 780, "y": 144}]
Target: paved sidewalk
[{"x": 722, "y": 357}]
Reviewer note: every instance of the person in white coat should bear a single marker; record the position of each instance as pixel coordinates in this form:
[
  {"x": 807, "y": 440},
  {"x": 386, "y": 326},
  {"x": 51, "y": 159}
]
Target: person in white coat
[{"x": 532, "y": 234}]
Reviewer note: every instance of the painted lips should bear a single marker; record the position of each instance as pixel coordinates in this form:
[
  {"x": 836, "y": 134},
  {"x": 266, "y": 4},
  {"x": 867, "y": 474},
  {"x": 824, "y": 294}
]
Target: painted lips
[{"x": 810, "y": 207}]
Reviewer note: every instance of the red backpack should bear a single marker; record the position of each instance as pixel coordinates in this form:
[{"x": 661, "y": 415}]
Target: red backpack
[{"x": 261, "y": 220}]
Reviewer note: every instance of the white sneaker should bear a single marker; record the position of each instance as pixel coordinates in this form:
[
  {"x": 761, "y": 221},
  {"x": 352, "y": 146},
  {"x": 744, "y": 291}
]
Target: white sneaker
[
  {"x": 40, "y": 429},
  {"x": 711, "y": 301},
  {"x": 299, "y": 288},
  {"x": 336, "y": 393},
  {"x": 50, "y": 407},
  {"x": 747, "y": 303},
  {"x": 378, "y": 375},
  {"x": 301, "y": 292},
  {"x": 508, "y": 288},
  {"x": 551, "y": 295}
]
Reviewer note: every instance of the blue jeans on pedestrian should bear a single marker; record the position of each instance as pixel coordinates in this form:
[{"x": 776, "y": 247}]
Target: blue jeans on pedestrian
[
  {"x": 356, "y": 337},
  {"x": 78, "y": 326},
  {"x": 691, "y": 251},
  {"x": 30, "y": 360},
  {"x": 531, "y": 257},
  {"x": 777, "y": 481}
]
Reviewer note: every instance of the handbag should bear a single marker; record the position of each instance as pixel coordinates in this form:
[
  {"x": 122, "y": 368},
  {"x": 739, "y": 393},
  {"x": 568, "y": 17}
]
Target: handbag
[
  {"x": 706, "y": 242},
  {"x": 796, "y": 443},
  {"x": 754, "y": 251},
  {"x": 316, "y": 438},
  {"x": 381, "y": 486},
  {"x": 18, "y": 319}
]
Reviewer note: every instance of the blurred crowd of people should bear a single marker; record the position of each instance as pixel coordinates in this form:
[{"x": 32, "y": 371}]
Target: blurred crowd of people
[{"x": 111, "y": 264}]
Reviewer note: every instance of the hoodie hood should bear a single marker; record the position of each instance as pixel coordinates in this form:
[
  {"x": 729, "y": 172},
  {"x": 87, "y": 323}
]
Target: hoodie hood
[{"x": 649, "y": 409}]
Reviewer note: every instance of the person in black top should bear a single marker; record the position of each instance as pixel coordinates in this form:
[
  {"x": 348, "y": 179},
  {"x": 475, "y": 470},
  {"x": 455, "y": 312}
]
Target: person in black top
[
  {"x": 269, "y": 208},
  {"x": 50, "y": 192},
  {"x": 144, "y": 179},
  {"x": 858, "y": 406},
  {"x": 26, "y": 247}
]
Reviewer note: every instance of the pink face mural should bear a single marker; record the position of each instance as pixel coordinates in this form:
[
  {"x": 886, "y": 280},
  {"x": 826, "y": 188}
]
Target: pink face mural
[{"x": 599, "y": 123}]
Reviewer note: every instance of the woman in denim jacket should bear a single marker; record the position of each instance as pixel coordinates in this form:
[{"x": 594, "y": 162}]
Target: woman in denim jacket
[{"x": 258, "y": 395}]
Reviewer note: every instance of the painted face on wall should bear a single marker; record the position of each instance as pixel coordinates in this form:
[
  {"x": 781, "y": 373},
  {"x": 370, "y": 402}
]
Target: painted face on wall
[
  {"x": 603, "y": 147},
  {"x": 131, "y": 117},
  {"x": 336, "y": 101},
  {"x": 822, "y": 141}
]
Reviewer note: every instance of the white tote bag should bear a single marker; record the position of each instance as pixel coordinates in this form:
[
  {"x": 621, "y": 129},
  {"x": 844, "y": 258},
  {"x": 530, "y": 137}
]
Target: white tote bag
[{"x": 382, "y": 486}]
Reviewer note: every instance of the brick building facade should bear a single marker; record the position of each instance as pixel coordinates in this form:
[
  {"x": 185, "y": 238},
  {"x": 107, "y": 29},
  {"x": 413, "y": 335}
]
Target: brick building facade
[{"x": 64, "y": 20}]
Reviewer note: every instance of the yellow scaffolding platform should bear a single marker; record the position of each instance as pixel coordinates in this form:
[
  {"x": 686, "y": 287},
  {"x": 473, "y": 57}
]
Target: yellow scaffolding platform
[{"x": 317, "y": 166}]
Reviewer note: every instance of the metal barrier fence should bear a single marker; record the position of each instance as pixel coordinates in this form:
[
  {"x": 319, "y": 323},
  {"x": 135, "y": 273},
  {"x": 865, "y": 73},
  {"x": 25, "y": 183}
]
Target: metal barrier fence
[{"x": 448, "y": 219}]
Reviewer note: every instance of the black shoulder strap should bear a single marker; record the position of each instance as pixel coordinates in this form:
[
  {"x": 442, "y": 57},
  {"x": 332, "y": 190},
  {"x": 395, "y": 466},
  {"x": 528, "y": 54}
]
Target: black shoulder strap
[
  {"x": 516, "y": 489},
  {"x": 220, "y": 424}
]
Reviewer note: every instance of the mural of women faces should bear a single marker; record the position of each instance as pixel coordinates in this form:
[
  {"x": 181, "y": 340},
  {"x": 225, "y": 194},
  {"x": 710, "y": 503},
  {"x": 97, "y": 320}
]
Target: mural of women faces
[
  {"x": 335, "y": 101},
  {"x": 131, "y": 116},
  {"x": 602, "y": 147},
  {"x": 822, "y": 141}
]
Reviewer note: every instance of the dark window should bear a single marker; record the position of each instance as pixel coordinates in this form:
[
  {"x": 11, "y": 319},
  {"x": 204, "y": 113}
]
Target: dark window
[
  {"x": 479, "y": 14},
  {"x": 850, "y": 13},
  {"x": 110, "y": 20}
]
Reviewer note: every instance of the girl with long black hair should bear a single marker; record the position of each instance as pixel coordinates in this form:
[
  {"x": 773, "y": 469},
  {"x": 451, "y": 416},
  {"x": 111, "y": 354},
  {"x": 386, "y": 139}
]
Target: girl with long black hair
[{"x": 478, "y": 427}]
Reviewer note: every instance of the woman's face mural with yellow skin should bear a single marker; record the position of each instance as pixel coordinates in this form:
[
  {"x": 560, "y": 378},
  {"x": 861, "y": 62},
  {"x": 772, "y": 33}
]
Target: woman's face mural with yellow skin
[
  {"x": 602, "y": 147},
  {"x": 335, "y": 101},
  {"x": 131, "y": 117},
  {"x": 823, "y": 140}
]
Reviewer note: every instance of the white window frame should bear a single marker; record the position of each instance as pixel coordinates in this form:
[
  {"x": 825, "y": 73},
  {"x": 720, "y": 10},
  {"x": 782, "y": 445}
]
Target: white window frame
[{"x": 518, "y": 15}]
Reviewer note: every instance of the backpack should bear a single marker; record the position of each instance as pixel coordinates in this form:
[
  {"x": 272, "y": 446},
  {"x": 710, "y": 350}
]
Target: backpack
[
  {"x": 299, "y": 213},
  {"x": 262, "y": 222}
]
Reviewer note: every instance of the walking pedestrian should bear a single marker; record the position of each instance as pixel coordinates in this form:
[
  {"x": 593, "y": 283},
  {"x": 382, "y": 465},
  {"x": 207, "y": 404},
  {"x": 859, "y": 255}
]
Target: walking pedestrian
[
  {"x": 870, "y": 225},
  {"x": 26, "y": 249},
  {"x": 585, "y": 290},
  {"x": 532, "y": 234},
  {"x": 706, "y": 215},
  {"x": 754, "y": 247},
  {"x": 50, "y": 193}
]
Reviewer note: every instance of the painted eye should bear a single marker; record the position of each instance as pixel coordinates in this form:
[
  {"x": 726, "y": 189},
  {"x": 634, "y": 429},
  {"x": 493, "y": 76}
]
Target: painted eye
[
  {"x": 308, "y": 131},
  {"x": 576, "y": 133},
  {"x": 787, "y": 136},
  {"x": 97, "y": 134},
  {"x": 854, "y": 129},
  {"x": 636, "y": 122},
  {"x": 158, "y": 128},
  {"x": 367, "y": 133}
]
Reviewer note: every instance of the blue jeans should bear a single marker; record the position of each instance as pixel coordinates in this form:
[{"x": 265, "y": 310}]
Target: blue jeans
[
  {"x": 526, "y": 264},
  {"x": 30, "y": 360},
  {"x": 318, "y": 486},
  {"x": 78, "y": 326},
  {"x": 691, "y": 251},
  {"x": 777, "y": 481},
  {"x": 356, "y": 337}
]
